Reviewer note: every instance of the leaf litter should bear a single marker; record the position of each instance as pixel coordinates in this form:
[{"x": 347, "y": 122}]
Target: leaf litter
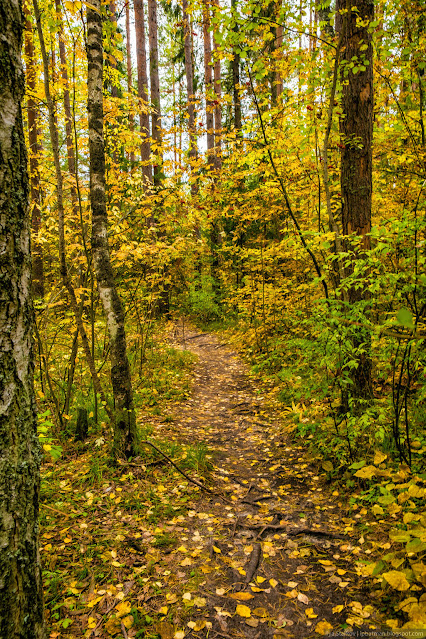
[{"x": 141, "y": 551}]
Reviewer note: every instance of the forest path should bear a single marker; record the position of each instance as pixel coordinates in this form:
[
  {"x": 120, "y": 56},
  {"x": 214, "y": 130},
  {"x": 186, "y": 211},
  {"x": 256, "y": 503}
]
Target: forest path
[{"x": 276, "y": 518}]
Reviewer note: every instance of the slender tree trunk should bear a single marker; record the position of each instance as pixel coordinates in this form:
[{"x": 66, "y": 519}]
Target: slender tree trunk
[
  {"x": 236, "y": 77},
  {"x": 34, "y": 149},
  {"x": 155, "y": 86},
  {"x": 279, "y": 40},
  {"x": 208, "y": 81},
  {"x": 129, "y": 75},
  {"x": 218, "y": 105},
  {"x": 143, "y": 88},
  {"x": 21, "y": 592},
  {"x": 356, "y": 129},
  {"x": 124, "y": 418},
  {"x": 67, "y": 109},
  {"x": 61, "y": 217},
  {"x": 189, "y": 72}
]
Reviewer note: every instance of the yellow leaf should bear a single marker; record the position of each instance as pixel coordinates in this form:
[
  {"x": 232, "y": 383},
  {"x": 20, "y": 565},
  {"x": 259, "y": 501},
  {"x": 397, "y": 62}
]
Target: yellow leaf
[
  {"x": 243, "y": 611},
  {"x": 379, "y": 457},
  {"x": 123, "y": 608},
  {"x": 260, "y": 580},
  {"x": 216, "y": 549},
  {"x": 128, "y": 622},
  {"x": 366, "y": 473},
  {"x": 309, "y": 612},
  {"x": 179, "y": 634},
  {"x": 91, "y": 622},
  {"x": 273, "y": 583},
  {"x": 255, "y": 589},
  {"x": 163, "y": 610},
  {"x": 241, "y": 596},
  {"x": 396, "y": 579},
  {"x": 337, "y": 609},
  {"x": 171, "y": 598},
  {"x": 260, "y": 612},
  {"x": 323, "y": 628}
]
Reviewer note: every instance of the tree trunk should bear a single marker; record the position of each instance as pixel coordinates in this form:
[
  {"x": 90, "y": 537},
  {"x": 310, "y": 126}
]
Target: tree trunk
[
  {"x": 189, "y": 72},
  {"x": 124, "y": 418},
  {"x": 356, "y": 129},
  {"x": 54, "y": 138},
  {"x": 279, "y": 39},
  {"x": 34, "y": 149},
  {"x": 208, "y": 82},
  {"x": 68, "y": 115},
  {"x": 143, "y": 88},
  {"x": 129, "y": 75},
  {"x": 218, "y": 106},
  {"x": 155, "y": 87},
  {"x": 236, "y": 78},
  {"x": 21, "y": 593}
]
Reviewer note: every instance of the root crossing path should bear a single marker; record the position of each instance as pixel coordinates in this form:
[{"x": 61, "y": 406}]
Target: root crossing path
[{"x": 270, "y": 554}]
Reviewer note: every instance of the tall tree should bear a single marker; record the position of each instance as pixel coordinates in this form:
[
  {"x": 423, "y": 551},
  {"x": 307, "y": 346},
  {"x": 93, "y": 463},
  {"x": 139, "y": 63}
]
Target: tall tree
[
  {"x": 34, "y": 149},
  {"x": 236, "y": 75},
  {"x": 21, "y": 593},
  {"x": 218, "y": 93},
  {"x": 129, "y": 73},
  {"x": 356, "y": 129},
  {"x": 124, "y": 414},
  {"x": 154, "y": 74},
  {"x": 189, "y": 72},
  {"x": 143, "y": 88},
  {"x": 208, "y": 81}
]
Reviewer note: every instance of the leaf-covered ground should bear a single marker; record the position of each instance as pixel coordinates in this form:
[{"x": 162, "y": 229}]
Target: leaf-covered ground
[{"x": 266, "y": 550}]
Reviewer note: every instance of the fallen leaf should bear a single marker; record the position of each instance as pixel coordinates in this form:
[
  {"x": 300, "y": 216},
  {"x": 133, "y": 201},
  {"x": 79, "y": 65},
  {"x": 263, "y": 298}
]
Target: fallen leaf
[
  {"x": 303, "y": 598},
  {"x": 273, "y": 583},
  {"x": 337, "y": 609},
  {"x": 323, "y": 628},
  {"x": 309, "y": 612},
  {"x": 243, "y": 611},
  {"x": 396, "y": 579},
  {"x": 241, "y": 596}
]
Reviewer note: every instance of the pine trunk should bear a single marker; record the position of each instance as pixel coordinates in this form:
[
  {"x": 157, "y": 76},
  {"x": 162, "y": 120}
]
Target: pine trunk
[
  {"x": 356, "y": 130},
  {"x": 34, "y": 149},
  {"x": 189, "y": 72},
  {"x": 208, "y": 82},
  {"x": 21, "y": 593},
  {"x": 143, "y": 88},
  {"x": 124, "y": 417},
  {"x": 155, "y": 86},
  {"x": 218, "y": 105},
  {"x": 129, "y": 75}
]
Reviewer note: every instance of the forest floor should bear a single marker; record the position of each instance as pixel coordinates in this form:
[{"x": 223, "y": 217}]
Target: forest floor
[{"x": 266, "y": 550}]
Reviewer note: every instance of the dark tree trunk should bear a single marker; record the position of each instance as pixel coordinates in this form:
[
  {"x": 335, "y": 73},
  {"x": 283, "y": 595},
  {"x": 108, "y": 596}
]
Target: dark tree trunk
[
  {"x": 34, "y": 149},
  {"x": 356, "y": 130},
  {"x": 143, "y": 88},
  {"x": 236, "y": 78},
  {"x": 21, "y": 593},
  {"x": 155, "y": 86},
  {"x": 124, "y": 414},
  {"x": 189, "y": 72},
  {"x": 129, "y": 74},
  {"x": 218, "y": 106},
  {"x": 208, "y": 81}
]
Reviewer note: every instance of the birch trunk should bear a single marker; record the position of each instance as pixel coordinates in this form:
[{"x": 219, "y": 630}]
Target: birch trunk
[
  {"x": 21, "y": 593},
  {"x": 143, "y": 89},
  {"x": 124, "y": 417}
]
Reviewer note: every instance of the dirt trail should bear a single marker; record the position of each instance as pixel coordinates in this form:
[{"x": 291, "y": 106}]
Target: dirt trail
[{"x": 277, "y": 519}]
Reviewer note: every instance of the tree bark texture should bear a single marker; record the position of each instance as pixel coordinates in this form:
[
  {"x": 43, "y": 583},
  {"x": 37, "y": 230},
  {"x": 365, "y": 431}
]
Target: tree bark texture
[
  {"x": 356, "y": 130},
  {"x": 143, "y": 88},
  {"x": 236, "y": 80},
  {"x": 21, "y": 594},
  {"x": 155, "y": 86},
  {"x": 208, "y": 81},
  {"x": 34, "y": 149},
  {"x": 124, "y": 417}
]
